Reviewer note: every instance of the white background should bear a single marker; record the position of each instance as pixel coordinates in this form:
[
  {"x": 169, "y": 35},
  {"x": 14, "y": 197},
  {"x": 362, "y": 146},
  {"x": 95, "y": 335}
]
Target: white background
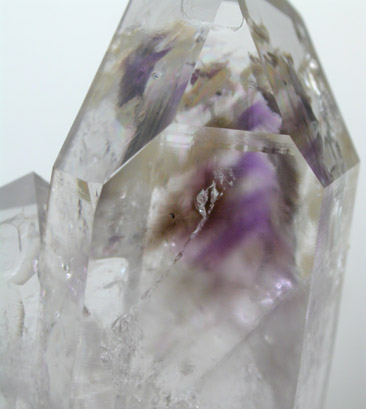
[{"x": 50, "y": 51}]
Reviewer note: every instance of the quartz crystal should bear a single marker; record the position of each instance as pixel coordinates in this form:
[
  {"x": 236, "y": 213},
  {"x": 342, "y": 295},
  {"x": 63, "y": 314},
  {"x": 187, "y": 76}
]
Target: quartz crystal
[
  {"x": 198, "y": 219},
  {"x": 22, "y": 210}
]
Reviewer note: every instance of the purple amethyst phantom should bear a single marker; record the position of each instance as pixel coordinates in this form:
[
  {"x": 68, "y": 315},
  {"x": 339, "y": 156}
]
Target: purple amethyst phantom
[
  {"x": 258, "y": 114},
  {"x": 197, "y": 224},
  {"x": 139, "y": 66}
]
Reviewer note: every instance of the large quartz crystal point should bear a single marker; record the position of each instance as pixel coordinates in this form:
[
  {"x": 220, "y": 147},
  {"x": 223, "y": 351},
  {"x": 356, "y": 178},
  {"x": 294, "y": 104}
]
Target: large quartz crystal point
[
  {"x": 22, "y": 210},
  {"x": 199, "y": 216},
  {"x": 135, "y": 95}
]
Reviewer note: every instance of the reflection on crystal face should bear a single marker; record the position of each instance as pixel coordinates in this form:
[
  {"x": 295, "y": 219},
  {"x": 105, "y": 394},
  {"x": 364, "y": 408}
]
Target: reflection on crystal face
[{"x": 191, "y": 256}]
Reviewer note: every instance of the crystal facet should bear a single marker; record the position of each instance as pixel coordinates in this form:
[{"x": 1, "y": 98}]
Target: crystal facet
[
  {"x": 22, "y": 210},
  {"x": 198, "y": 219}
]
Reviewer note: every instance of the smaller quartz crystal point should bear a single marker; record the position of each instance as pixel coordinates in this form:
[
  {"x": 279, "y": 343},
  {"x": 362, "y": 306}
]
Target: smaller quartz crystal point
[
  {"x": 197, "y": 224},
  {"x": 22, "y": 210}
]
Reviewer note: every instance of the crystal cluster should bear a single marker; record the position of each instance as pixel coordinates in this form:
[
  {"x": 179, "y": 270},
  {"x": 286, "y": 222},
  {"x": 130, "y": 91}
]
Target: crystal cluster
[{"x": 197, "y": 223}]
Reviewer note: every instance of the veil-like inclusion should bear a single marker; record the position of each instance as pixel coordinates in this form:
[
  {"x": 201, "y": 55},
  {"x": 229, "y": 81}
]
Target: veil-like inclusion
[{"x": 198, "y": 218}]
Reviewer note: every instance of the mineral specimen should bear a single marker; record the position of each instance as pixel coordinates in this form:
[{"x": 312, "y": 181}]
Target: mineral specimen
[{"x": 198, "y": 218}]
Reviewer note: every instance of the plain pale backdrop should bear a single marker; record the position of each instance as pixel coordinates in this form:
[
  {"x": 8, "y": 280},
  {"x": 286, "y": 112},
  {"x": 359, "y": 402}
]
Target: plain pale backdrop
[{"x": 50, "y": 51}]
